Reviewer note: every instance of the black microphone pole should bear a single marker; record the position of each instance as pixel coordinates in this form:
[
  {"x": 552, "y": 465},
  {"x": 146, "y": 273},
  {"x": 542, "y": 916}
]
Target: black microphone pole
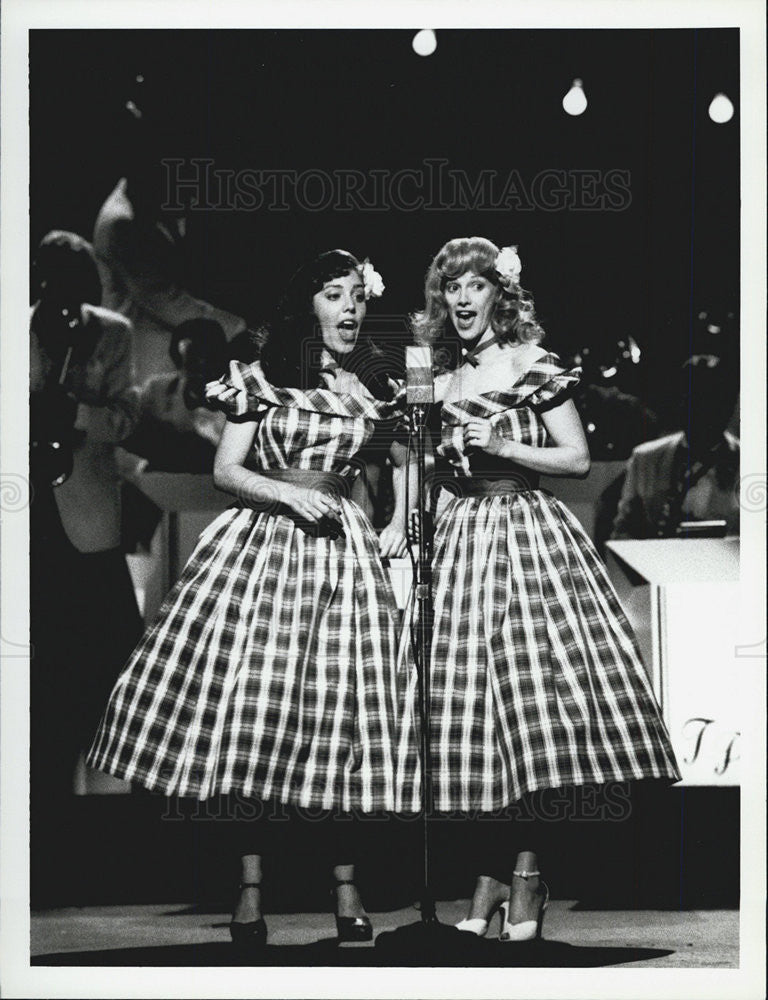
[
  {"x": 427, "y": 942},
  {"x": 423, "y": 629},
  {"x": 419, "y": 394}
]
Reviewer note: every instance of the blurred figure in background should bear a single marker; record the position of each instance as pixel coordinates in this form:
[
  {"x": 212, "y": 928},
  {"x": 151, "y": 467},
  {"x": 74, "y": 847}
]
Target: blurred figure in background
[
  {"x": 614, "y": 421},
  {"x": 83, "y": 614},
  {"x": 693, "y": 474},
  {"x": 177, "y": 431},
  {"x": 138, "y": 240}
]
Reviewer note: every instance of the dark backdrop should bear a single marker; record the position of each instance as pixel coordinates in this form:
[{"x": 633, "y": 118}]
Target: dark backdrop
[{"x": 304, "y": 100}]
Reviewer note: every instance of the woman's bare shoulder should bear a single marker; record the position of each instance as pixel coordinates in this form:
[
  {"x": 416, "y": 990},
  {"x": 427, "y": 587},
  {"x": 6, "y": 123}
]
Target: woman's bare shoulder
[
  {"x": 535, "y": 352},
  {"x": 522, "y": 357}
]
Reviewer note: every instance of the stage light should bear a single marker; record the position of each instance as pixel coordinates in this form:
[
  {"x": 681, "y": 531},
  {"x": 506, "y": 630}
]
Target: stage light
[
  {"x": 424, "y": 42},
  {"x": 575, "y": 101},
  {"x": 721, "y": 109},
  {"x": 140, "y": 78}
]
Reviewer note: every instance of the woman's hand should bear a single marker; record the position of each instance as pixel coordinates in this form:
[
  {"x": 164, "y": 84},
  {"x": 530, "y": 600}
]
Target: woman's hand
[
  {"x": 313, "y": 505},
  {"x": 484, "y": 435},
  {"x": 261, "y": 492},
  {"x": 392, "y": 542}
]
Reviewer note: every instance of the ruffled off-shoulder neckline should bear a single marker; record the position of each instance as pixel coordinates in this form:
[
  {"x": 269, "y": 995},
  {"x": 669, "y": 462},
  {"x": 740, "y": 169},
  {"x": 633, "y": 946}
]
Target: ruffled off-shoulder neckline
[
  {"x": 246, "y": 390},
  {"x": 542, "y": 382}
]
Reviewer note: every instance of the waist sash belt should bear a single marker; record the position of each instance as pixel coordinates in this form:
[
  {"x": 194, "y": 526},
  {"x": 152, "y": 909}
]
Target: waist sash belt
[{"x": 463, "y": 486}]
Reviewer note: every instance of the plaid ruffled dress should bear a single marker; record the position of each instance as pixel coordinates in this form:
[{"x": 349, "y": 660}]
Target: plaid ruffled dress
[
  {"x": 270, "y": 669},
  {"x": 537, "y": 680}
]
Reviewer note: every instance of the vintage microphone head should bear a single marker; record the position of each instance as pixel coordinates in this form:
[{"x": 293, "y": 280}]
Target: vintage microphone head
[{"x": 419, "y": 377}]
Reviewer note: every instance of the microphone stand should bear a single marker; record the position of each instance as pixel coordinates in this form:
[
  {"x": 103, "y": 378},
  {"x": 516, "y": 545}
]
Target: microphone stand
[
  {"x": 423, "y": 650},
  {"x": 426, "y": 942}
]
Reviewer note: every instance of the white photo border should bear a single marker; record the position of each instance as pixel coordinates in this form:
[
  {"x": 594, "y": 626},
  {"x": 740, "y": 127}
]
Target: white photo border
[{"x": 19, "y": 979}]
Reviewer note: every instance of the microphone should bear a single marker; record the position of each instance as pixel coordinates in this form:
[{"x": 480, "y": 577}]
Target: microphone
[{"x": 419, "y": 379}]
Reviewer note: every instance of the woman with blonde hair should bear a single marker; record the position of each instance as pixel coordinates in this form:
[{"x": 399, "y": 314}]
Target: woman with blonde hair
[{"x": 536, "y": 678}]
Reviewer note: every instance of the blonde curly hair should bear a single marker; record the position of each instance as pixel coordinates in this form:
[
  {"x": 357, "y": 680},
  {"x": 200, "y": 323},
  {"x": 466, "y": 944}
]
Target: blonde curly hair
[{"x": 514, "y": 315}]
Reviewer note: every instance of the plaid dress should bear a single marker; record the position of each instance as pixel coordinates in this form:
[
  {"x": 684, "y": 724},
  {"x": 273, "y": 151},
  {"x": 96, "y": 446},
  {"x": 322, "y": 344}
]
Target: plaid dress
[
  {"x": 270, "y": 669},
  {"x": 536, "y": 677}
]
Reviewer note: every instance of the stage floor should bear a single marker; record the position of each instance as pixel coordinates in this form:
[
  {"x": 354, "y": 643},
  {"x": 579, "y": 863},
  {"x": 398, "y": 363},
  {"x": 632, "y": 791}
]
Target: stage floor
[{"x": 178, "y": 935}]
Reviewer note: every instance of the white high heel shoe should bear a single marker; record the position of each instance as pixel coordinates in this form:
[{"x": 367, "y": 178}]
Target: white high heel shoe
[
  {"x": 479, "y": 926},
  {"x": 526, "y": 930}
]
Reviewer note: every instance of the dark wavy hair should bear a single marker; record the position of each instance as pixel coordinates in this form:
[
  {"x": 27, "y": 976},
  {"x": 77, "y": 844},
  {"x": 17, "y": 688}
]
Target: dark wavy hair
[
  {"x": 513, "y": 317},
  {"x": 291, "y": 353}
]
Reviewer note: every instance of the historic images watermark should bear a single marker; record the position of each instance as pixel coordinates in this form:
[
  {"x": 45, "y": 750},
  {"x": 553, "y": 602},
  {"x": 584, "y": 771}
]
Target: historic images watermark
[
  {"x": 607, "y": 803},
  {"x": 197, "y": 184}
]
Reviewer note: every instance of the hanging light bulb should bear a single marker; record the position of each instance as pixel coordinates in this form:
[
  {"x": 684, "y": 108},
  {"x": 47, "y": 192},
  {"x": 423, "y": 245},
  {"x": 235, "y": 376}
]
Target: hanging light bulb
[
  {"x": 424, "y": 42},
  {"x": 721, "y": 109},
  {"x": 575, "y": 101}
]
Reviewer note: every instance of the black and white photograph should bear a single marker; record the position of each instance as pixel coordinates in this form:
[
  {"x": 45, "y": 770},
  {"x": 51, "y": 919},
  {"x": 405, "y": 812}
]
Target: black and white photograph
[{"x": 383, "y": 500}]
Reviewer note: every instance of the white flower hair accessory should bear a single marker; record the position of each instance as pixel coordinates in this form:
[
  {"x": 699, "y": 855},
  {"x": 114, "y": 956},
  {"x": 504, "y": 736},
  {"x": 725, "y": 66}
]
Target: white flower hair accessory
[
  {"x": 508, "y": 266},
  {"x": 374, "y": 286}
]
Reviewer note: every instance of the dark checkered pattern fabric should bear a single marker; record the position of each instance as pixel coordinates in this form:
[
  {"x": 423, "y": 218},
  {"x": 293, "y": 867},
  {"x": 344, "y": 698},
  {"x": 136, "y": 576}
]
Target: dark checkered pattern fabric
[
  {"x": 271, "y": 667},
  {"x": 536, "y": 677},
  {"x": 246, "y": 390}
]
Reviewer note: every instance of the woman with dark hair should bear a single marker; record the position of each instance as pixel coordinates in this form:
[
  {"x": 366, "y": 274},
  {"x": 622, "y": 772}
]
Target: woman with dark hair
[
  {"x": 536, "y": 678},
  {"x": 270, "y": 671}
]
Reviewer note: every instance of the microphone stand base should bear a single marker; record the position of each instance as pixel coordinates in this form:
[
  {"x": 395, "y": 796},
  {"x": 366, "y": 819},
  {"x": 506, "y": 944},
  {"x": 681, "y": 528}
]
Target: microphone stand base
[{"x": 428, "y": 942}]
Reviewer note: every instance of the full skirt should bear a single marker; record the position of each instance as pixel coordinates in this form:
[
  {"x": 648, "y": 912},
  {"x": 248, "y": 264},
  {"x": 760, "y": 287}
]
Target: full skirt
[
  {"x": 269, "y": 671},
  {"x": 536, "y": 677}
]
